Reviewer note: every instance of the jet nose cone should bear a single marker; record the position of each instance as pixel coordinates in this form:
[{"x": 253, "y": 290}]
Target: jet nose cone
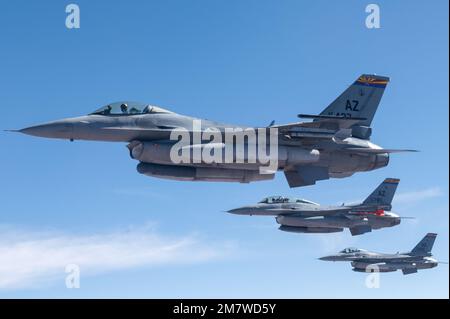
[
  {"x": 57, "y": 129},
  {"x": 241, "y": 211},
  {"x": 327, "y": 258},
  {"x": 33, "y": 130}
]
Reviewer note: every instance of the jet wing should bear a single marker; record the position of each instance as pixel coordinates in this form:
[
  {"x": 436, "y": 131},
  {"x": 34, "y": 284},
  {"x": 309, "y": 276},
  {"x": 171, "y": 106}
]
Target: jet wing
[
  {"x": 324, "y": 121},
  {"x": 323, "y": 129},
  {"x": 335, "y": 123}
]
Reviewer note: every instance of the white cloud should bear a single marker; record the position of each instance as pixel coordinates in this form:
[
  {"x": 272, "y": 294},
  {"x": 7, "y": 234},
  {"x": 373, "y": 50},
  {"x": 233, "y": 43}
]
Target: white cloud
[
  {"x": 407, "y": 197},
  {"x": 28, "y": 258},
  {"x": 417, "y": 196}
]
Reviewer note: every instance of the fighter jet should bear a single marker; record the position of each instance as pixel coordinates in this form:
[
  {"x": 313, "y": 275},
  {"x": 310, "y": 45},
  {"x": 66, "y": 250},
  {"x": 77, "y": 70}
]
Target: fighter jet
[
  {"x": 303, "y": 216},
  {"x": 367, "y": 261},
  {"x": 335, "y": 144}
]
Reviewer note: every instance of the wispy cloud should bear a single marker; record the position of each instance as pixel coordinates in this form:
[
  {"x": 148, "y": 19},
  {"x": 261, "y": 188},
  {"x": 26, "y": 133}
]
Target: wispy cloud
[
  {"x": 417, "y": 196},
  {"x": 407, "y": 197},
  {"x": 28, "y": 258}
]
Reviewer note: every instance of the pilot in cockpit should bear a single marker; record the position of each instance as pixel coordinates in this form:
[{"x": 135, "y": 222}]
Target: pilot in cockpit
[
  {"x": 124, "y": 108},
  {"x": 107, "y": 110},
  {"x": 134, "y": 110}
]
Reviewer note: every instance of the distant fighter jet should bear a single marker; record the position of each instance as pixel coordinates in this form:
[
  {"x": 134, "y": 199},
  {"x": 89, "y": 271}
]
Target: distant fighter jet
[
  {"x": 334, "y": 145},
  {"x": 367, "y": 261},
  {"x": 303, "y": 216}
]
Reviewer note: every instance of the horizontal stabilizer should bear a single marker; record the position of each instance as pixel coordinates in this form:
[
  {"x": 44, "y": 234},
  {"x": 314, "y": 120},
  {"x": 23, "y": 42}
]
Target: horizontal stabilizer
[
  {"x": 359, "y": 230},
  {"x": 306, "y": 175},
  {"x": 408, "y": 271}
]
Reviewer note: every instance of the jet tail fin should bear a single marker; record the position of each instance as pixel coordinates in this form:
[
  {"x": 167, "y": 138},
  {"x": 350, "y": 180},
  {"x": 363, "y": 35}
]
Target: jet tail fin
[
  {"x": 359, "y": 100},
  {"x": 424, "y": 247},
  {"x": 384, "y": 193}
]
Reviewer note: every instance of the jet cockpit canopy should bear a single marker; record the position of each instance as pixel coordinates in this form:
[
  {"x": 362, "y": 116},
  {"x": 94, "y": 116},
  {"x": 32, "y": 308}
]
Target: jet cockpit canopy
[
  {"x": 283, "y": 199},
  {"x": 129, "y": 108},
  {"x": 350, "y": 250}
]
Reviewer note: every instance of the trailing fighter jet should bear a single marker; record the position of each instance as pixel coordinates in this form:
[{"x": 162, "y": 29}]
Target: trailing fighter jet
[
  {"x": 367, "y": 261},
  {"x": 335, "y": 144},
  {"x": 303, "y": 216}
]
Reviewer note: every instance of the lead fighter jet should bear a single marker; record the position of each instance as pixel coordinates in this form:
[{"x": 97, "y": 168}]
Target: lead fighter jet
[
  {"x": 335, "y": 144},
  {"x": 303, "y": 216},
  {"x": 367, "y": 261}
]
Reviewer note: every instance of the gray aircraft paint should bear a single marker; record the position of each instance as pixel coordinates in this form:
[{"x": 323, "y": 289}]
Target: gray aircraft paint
[
  {"x": 334, "y": 145},
  {"x": 367, "y": 261},
  {"x": 303, "y": 216}
]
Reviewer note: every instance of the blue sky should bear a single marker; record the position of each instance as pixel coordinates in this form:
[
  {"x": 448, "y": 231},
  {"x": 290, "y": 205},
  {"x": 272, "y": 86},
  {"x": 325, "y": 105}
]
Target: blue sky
[{"x": 244, "y": 62}]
